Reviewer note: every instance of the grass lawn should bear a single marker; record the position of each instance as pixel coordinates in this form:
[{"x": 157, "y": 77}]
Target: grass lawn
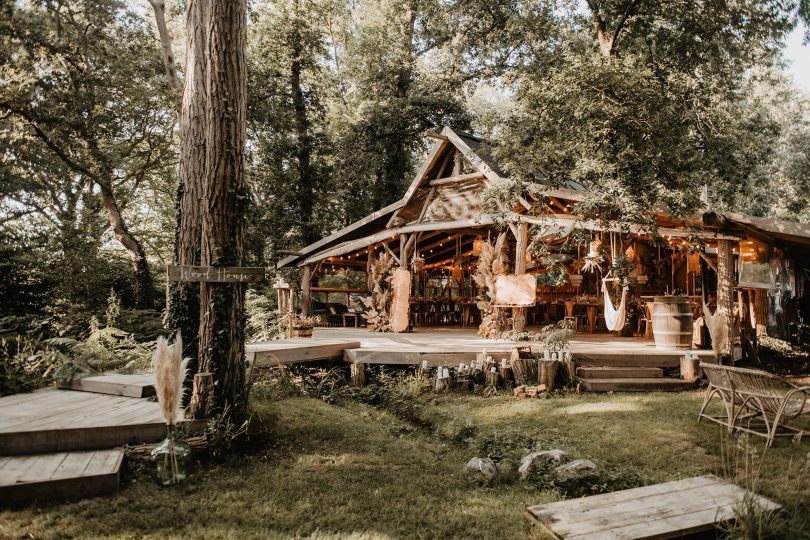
[{"x": 358, "y": 471}]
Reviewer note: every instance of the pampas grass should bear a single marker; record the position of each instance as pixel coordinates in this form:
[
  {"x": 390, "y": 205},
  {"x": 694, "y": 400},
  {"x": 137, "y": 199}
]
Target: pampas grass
[{"x": 170, "y": 372}]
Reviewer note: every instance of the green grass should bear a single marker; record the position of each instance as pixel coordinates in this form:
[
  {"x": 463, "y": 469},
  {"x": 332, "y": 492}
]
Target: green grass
[{"x": 356, "y": 471}]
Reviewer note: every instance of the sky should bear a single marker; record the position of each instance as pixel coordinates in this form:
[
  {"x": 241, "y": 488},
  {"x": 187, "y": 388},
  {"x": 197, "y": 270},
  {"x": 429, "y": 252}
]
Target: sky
[{"x": 798, "y": 56}]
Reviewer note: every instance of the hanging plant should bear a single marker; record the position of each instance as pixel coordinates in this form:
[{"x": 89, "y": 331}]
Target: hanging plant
[{"x": 555, "y": 277}]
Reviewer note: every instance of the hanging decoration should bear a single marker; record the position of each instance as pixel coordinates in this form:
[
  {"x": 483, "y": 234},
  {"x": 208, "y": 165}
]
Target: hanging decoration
[
  {"x": 401, "y": 287},
  {"x": 478, "y": 245},
  {"x": 593, "y": 260}
]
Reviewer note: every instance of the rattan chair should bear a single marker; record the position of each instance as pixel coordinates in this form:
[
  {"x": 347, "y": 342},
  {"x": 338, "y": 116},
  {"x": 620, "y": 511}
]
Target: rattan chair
[{"x": 755, "y": 401}]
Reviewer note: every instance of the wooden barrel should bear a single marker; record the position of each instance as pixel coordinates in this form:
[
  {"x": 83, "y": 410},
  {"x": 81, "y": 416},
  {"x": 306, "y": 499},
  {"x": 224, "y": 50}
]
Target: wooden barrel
[{"x": 672, "y": 322}]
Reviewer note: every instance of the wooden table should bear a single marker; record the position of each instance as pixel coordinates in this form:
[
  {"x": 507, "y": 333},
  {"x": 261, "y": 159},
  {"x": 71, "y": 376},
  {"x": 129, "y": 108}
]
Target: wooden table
[{"x": 356, "y": 317}]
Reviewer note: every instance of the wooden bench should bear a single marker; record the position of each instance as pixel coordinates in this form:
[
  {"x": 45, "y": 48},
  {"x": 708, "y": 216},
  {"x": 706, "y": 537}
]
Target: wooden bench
[{"x": 752, "y": 396}]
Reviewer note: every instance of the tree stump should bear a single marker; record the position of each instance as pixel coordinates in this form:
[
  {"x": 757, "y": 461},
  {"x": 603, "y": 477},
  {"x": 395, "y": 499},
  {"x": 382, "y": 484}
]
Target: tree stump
[
  {"x": 492, "y": 378},
  {"x": 690, "y": 368},
  {"x": 547, "y": 373},
  {"x": 505, "y": 374},
  {"x": 202, "y": 396},
  {"x": 358, "y": 375}
]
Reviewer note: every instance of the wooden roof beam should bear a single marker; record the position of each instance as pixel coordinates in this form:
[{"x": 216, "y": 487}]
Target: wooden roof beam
[{"x": 458, "y": 178}]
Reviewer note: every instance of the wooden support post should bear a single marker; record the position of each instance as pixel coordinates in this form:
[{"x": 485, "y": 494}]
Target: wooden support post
[
  {"x": 306, "y": 291},
  {"x": 358, "y": 374},
  {"x": 521, "y": 243},
  {"x": 760, "y": 311},
  {"x": 747, "y": 334},
  {"x": 725, "y": 293}
]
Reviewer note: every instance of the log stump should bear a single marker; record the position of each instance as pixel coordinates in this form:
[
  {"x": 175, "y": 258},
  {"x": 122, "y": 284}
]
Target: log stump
[
  {"x": 547, "y": 373},
  {"x": 690, "y": 370},
  {"x": 358, "y": 375},
  {"x": 202, "y": 396}
]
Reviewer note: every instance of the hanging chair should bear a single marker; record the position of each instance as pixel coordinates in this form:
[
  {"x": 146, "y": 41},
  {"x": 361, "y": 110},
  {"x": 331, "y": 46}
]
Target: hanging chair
[
  {"x": 614, "y": 317},
  {"x": 717, "y": 329}
]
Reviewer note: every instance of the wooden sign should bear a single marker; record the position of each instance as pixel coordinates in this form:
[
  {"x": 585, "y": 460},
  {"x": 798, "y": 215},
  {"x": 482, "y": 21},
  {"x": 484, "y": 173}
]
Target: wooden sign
[
  {"x": 515, "y": 291},
  {"x": 216, "y": 274}
]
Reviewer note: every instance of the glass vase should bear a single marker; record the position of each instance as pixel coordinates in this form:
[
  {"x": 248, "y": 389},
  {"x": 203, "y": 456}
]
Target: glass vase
[{"x": 171, "y": 459}]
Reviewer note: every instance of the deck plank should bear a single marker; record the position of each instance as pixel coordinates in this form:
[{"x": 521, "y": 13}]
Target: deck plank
[
  {"x": 60, "y": 475},
  {"x": 658, "y": 511},
  {"x": 291, "y": 351},
  {"x": 115, "y": 384}
]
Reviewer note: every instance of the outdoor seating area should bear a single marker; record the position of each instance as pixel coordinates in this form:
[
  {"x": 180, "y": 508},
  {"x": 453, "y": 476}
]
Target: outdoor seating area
[{"x": 755, "y": 401}]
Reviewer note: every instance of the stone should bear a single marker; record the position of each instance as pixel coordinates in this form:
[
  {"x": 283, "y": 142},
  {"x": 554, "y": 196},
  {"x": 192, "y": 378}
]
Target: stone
[
  {"x": 579, "y": 468},
  {"x": 531, "y": 462},
  {"x": 481, "y": 469}
]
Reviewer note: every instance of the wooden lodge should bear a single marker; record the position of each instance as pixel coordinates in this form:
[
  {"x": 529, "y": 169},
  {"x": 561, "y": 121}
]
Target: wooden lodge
[{"x": 749, "y": 273}]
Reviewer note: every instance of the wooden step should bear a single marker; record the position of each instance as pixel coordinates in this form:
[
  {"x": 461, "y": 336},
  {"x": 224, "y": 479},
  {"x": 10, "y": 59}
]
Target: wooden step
[
  {"x": 59, "y": 476},
  {"x": 620, "y": 372},
  {"x": 651, "y": 384},
  {"x": 609, "y": 359},
  {"x": 54, "y": 420},
  {"x": 137, "y": 385}
]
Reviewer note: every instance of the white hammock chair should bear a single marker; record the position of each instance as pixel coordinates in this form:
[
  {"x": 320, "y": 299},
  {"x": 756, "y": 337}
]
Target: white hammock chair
[
  {"x": 614, "y": 317},
  {"x": 717, "y": 329}
]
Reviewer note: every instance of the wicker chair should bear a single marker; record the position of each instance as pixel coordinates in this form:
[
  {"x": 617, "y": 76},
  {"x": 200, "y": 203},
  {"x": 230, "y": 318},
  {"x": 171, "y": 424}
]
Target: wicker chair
[{"x": 755, "y": 396}]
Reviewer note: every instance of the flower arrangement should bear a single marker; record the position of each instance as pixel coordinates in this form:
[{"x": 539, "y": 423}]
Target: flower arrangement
[{"x": 170, "y": 372}]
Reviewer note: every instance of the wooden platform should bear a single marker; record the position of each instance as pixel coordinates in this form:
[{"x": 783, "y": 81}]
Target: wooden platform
[
  {"x": 291, "y": 351},
  {"x": 669, "y": 510},
  {"x": 59, "y": 476},
  {"x": 54, "y": 420},
  {"x": 604, "y": 372},
  {"x": 136, "y": 385}
]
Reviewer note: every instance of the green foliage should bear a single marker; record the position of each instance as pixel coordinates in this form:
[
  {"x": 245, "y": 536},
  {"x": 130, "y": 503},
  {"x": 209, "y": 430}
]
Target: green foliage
[
  {"x": 106, "y": 349},
  {"x": 263, "y": 322},
  {"x": 26, "y": 365}
]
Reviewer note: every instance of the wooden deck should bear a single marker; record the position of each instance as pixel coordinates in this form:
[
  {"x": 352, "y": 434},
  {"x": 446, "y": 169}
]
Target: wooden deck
[
  {"x": 291, "y": 351},
  {"x": 136, "y": 385},
  {"x": 60, "y": 475},
  {"x": 449, "y": 346},
  {"x": 54, "y": 420},
  {"x": 669, "y": 510}
]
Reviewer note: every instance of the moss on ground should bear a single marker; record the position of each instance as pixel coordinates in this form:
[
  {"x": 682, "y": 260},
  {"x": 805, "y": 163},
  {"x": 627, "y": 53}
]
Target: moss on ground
[{"x": 357, "y": 471}]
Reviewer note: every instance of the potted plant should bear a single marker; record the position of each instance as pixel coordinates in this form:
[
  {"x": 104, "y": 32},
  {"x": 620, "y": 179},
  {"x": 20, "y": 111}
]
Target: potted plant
[{"x": 302, "y": 326}]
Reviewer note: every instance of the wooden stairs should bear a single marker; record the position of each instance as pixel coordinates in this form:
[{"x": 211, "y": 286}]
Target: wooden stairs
[
  {"x": 629, "y": 379},
  {"x": 66, "y": 443}
]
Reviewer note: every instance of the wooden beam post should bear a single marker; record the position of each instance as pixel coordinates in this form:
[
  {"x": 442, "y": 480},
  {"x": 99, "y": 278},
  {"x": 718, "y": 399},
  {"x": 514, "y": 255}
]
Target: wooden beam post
[
  {"x": 521, "y": 243},
  {"x": 761, "y": 311},
  {"x": 306, "y": 291},
  {"x": 725, "y": 293}
]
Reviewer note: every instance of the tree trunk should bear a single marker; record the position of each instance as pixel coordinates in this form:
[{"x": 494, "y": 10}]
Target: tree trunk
[
  {"x": 306, "y": 180},
  {"x": 159, "y": 6},
  {"x": 183, "y": 299},
  {"x": 725, "y": 292},
  {"x": 224, "y": 204},
  {"x": 521, "y": 245},
  {"x": 394, "y": 164},
  {"x": 306, "y": 291},
  {"x": 144, "y": 293}
]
